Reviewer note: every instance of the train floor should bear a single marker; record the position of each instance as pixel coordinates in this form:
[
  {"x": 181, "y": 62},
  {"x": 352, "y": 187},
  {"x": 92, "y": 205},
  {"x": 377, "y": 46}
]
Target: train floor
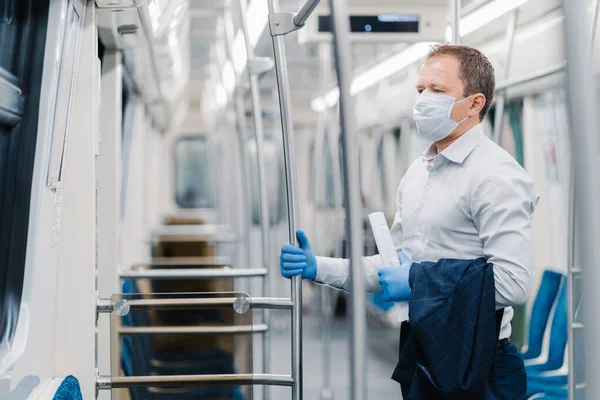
[{"x": 381, "y": 357}]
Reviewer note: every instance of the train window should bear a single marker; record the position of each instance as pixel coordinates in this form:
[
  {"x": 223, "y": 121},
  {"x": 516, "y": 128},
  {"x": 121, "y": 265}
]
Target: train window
[
  {"x": 23, "y": 25},
  {"x": 127, "y": 130},
  {"x": 66, "y": 80},
  {"x": 329, "y": 199},
  {"x": 552, "y": 121},
  {"x": 382, "y": 169},
  {"x": 341, "y": 164},
  {"x": 511, "y": 137},
  {"x": 193, "y": 187},
  {"x": 274, "y": 181},
  {"x": 323, "y": 191},
  {"x": 313, "y": 174}
]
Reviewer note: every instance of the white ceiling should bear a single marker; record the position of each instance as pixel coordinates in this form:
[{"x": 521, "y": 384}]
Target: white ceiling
[{"x": 303, "y": 60}]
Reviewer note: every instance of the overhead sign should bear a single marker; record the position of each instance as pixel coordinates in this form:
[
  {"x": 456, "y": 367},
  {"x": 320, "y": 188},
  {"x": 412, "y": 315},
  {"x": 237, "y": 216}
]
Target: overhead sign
[{"x": 399, "y": 22}]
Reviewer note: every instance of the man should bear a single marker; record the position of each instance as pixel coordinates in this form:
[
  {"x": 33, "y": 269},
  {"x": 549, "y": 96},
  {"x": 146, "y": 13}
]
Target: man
[{"x": 464, "y": 198}]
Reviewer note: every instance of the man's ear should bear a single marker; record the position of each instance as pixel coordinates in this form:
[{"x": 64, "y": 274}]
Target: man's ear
[{"x": 477, "y": 104}]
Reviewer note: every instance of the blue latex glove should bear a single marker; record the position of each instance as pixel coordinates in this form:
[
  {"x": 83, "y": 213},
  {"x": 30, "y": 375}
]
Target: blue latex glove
[
  {"x": 394, "y": 280},
  {"x": 298, "y": 260}
]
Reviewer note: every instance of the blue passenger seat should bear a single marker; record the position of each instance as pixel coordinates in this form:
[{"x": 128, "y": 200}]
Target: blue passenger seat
[
  {"x": 558, "y": 337},
  {"x": 69, "y": 389},
  {"x": 549, "y": 378},
  {"x": 540, "y": 313}
]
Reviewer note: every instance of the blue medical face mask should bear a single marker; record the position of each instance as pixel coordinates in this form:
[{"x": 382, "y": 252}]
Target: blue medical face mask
[{"x": 432, "y": 115}]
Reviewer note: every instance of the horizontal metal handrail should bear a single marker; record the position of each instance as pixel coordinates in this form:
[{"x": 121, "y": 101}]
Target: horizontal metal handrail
[
  {"x": 121, "y": 382},
  {"x": 192, "y": 330},
  {"x": 196, "y": 273},
  {"x": 255, "y": 302},
  {"x": 555, "y": 69},
  {"x": 271, "y": 303},
  {"x": 218, "y": 261}
]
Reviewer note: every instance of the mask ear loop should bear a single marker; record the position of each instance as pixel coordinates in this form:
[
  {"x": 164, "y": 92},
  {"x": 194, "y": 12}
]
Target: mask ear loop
[{"x": 460, "y": 101}]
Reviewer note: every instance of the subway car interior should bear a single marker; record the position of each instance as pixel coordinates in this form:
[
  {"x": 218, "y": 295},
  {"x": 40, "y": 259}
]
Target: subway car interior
[{"x": 155, "y": 155}]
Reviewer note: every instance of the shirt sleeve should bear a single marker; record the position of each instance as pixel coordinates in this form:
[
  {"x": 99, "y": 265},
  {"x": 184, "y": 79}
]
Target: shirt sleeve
[
  {"x": 335, "y": 272},
  {"x": 502, "y": 208}
]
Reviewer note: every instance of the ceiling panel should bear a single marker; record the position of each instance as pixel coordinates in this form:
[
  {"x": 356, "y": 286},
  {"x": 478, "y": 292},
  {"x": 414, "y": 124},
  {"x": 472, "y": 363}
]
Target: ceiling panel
[{"x": 207, "y": 3}]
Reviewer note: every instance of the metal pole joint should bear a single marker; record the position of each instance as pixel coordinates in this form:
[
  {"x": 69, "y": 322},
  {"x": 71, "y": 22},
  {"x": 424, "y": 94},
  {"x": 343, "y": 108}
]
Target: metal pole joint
[
  {"x": 104, "y": 306},
  {"x": 282, "y": 23},
  {"x": 103, "y": 382}
]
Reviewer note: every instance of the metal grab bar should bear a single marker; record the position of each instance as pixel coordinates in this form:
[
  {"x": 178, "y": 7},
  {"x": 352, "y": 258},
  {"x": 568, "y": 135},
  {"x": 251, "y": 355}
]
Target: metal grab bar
[
  {"x": 196, "y": 273},
  {"x": 186, "y": 261},
  {"x": 456, "y": 10},
  {"x": 501, "y": 100},
  {"x": 583, "y": 119},
  {"x": 305, "y": 10},
  {"x": 200, "y": 303},
  {"x": 123, "y": 382},
  {"x": 278, "y": 28},
  {"x": 192, "y": 330},
  {"x": 354, "y": 223},
  {"x": 265, "y": 220},
  {"x": 532, "y": 77}
]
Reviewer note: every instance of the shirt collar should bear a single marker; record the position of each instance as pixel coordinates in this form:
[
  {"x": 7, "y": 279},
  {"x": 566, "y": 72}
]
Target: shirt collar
[{"x": 459, "y": 150}]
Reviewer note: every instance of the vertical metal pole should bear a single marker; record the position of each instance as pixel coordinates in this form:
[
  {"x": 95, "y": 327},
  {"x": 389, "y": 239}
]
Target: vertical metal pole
[
  {"x": 243, "y": 254},
  {"x": 594, "y": 26},
  {"x": 584, "y": 148},
  {"x": 456, "y": 8},
  {"x": 325, "y": 76},
  {"x": 570, "y": 281},
  {"x": 241, "y": 136},
  {"x": 343, "y": 58},
  {"x": 291, "y": 179},
  {"x": 265, "y": 221},
  {"x": 501, "y": 101}
]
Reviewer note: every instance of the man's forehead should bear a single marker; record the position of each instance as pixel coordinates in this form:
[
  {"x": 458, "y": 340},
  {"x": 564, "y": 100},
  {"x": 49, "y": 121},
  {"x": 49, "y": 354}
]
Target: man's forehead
[{"x": 439, "y": 70}]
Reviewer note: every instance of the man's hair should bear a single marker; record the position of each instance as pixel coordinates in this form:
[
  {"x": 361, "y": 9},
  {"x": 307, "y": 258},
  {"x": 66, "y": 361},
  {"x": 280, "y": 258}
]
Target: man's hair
[{"x": 476, "y": 71}]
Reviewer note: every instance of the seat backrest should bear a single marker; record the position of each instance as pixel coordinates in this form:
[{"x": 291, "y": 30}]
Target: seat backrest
[
  {"x": 558, "y": 332},
  {"x": 540, "y": 312},
  {"x": 69, "y": 389}
]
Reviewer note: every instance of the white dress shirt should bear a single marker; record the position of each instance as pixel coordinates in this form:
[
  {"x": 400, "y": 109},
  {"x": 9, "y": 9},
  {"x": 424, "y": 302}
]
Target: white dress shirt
[{"x": 471, "y": 200}]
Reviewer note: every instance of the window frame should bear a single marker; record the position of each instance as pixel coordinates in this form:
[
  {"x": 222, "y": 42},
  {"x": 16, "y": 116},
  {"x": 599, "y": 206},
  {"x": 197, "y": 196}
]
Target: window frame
[{"x": 60, "y": 139}]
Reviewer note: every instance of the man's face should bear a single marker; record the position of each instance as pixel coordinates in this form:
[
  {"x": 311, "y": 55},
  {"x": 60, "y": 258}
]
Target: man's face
[{"x": 442, "y": 75}]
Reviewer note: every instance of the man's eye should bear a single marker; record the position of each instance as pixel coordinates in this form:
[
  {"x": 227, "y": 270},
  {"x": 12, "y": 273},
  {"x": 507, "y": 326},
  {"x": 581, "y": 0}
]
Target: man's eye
[
  {"x": 419, "y": 91},
  {"x": 437, "y": 91}
]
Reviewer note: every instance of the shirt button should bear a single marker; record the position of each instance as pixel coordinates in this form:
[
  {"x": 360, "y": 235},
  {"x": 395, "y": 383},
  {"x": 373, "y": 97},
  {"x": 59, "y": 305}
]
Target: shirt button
[
  {"x": 434, "y": 173},
  {"x": 422, "y": 203},
  {"x": 418, "y": 234}
]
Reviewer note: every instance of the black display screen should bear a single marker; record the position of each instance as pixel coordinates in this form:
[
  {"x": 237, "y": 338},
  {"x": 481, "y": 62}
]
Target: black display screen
[{"x": 383, "y": 23}]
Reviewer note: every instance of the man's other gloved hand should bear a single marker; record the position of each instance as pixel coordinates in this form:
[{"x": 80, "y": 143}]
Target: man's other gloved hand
[
  {"x": 394, "y": 280},
  {"x": 298, "y": 260}
]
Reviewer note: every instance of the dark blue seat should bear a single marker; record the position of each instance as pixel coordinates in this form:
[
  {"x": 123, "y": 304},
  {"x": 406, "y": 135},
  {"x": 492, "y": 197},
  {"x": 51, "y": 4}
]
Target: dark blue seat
[{"x": 540, "y": 313}]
